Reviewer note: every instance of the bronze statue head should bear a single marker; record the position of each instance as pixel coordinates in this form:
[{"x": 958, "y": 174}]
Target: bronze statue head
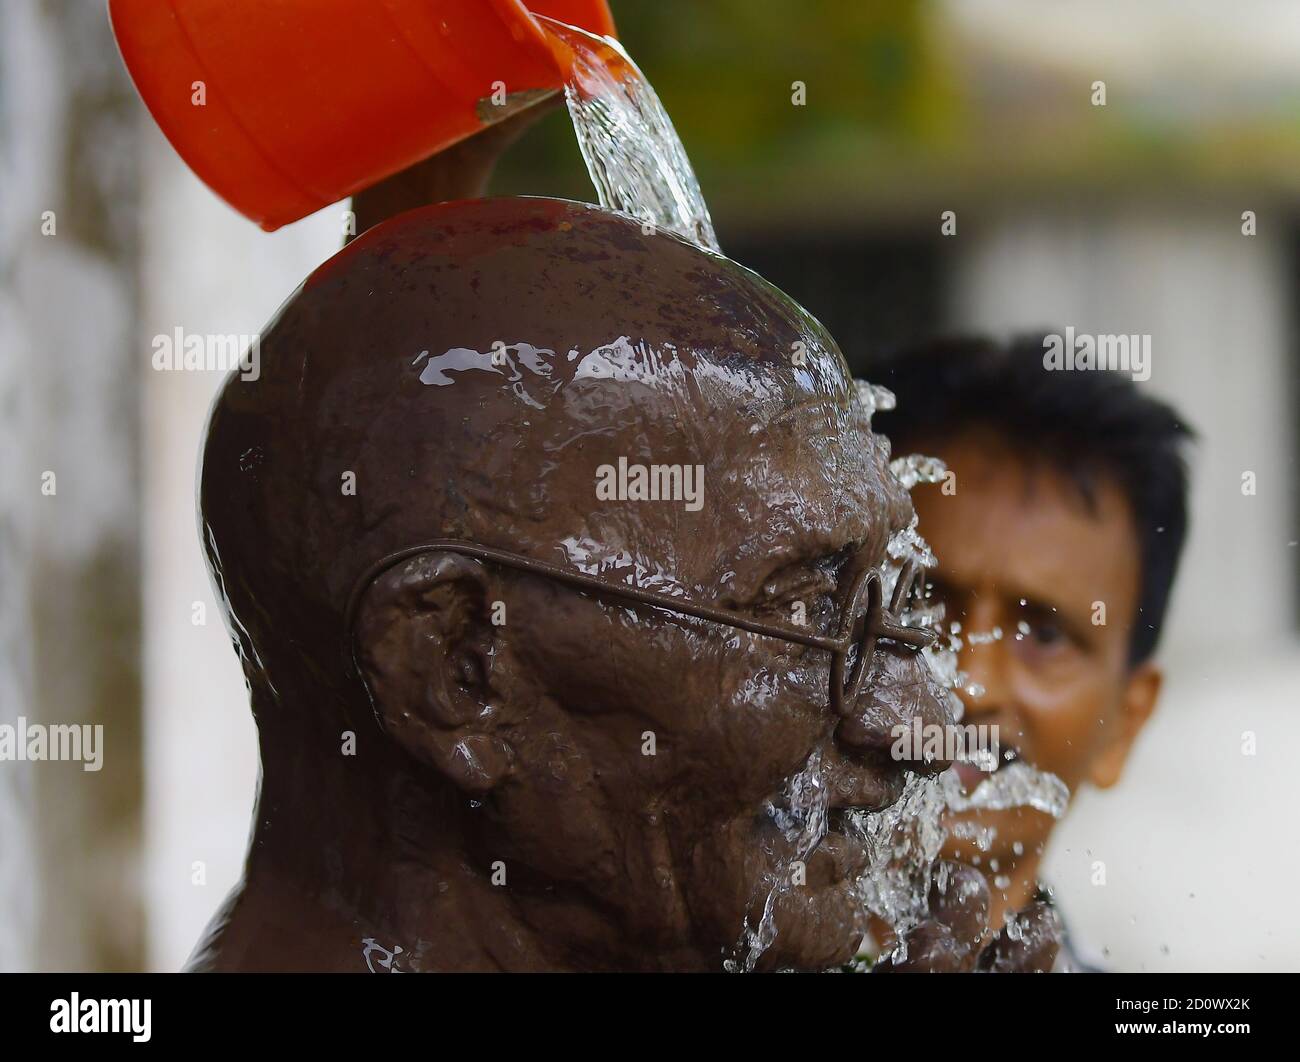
[{"x": 490, "y": 446}]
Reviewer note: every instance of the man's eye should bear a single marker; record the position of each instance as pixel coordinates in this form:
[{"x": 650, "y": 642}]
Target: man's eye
[
  {"x": 1047, "y": 633},
  {"x": 938, "y": 597}
]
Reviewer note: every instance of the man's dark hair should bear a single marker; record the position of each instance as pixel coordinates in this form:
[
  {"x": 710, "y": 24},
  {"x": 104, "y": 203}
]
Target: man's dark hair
[{"x": 1087, "y": 424}]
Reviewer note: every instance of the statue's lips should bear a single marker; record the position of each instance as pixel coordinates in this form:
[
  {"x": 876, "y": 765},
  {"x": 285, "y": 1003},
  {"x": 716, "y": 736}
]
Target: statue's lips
[
  {"x": 869, "y": 788},
  {"x": 854, "y": 786},
  {"x": 853, "y": 790}
]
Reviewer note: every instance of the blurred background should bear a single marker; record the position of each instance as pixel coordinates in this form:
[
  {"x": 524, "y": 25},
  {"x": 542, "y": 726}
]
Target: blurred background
[{"x": 1123, "y": 218}]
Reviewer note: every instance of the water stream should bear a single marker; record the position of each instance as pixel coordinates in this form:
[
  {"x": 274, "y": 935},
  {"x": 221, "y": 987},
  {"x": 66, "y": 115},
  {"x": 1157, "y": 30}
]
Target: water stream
[
  {"x": 633, "y": 153},
  {"x": 801, "y": 816}
]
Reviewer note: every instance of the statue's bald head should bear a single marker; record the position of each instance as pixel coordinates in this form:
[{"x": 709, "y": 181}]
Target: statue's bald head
[
  {"x": 473, "y": 371},
  {"x": 461, "y": 372}
]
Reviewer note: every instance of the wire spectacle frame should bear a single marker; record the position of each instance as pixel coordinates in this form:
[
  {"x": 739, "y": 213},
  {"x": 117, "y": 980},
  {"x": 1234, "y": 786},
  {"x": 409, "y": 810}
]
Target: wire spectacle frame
[{"x": 863, "y": 620}]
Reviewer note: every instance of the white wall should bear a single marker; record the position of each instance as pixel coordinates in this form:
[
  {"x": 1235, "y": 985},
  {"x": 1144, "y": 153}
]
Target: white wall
[
  {"x": 69, "y": 839},
  {"x": 206, "y": 269},
  {"x": 24, "y": 168}
]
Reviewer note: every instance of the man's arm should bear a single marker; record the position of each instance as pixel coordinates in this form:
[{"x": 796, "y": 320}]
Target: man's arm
[{"x": 462, "y": 171}]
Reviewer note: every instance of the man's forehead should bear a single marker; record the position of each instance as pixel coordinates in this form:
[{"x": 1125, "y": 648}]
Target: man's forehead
[{"x": 1021, "y": 525}]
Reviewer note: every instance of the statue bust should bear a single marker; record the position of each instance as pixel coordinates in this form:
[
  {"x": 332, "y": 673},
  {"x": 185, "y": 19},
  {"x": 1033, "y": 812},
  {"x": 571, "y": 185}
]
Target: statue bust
[{"x": 504, "y": 527}]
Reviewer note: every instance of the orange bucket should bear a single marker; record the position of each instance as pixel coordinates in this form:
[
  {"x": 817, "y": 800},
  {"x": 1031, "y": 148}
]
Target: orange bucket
[{"x": 284, "y": 106}]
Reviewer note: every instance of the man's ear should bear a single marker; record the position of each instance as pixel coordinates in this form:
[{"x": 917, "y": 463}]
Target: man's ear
[
  {"x": 1139, "y": 701},
  {"x": 424, "y": 646}
]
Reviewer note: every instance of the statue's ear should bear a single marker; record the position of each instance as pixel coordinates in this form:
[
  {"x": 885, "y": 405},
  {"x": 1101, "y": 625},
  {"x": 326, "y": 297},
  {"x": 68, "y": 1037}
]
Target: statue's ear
[{"x": 424, "y": 646}]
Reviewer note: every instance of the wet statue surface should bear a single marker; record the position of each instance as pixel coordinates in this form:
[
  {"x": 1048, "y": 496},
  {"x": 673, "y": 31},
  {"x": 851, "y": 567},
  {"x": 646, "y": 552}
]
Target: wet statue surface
[{"x": 466, "y": 766}]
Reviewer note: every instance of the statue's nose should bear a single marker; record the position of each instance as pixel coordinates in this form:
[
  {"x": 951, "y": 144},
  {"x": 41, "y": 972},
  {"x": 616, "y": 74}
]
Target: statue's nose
[{"x": 898, "y": 695}]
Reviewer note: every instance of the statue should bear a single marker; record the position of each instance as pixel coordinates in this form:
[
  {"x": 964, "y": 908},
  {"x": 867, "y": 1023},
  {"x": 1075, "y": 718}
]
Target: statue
[{"x": 551, "y": 555}]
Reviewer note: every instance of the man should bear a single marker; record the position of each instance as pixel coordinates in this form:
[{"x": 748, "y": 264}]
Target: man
[
  {"x": 509, "y": 722},
  {"x": 1057, "y": 534}
]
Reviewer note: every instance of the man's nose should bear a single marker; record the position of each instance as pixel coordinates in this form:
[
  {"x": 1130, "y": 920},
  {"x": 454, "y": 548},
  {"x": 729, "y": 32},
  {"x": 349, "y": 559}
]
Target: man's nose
[
  {"x": 982, "y": 662},
  {"x": 898, "y": 693}
]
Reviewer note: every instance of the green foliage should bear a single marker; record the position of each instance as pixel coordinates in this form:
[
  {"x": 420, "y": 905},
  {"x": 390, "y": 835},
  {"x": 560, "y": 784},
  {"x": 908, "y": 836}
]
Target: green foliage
[{"x": 725, "y": 71}]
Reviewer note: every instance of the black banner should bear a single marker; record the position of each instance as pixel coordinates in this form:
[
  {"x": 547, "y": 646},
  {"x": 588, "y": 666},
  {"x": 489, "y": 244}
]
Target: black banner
[{"x": 865, "y": 1011}]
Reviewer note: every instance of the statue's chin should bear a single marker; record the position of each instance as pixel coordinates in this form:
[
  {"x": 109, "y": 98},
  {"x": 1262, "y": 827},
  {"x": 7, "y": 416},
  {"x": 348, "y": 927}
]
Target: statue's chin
[
  {"x": 821, "y": 933},
  {"x": 820, "y": 924}
]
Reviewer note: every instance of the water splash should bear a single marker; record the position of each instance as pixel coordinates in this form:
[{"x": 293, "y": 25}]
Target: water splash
[
  {"x": 907, "y": 544},
  {"x": 912, "y": 469},
  {"x": 633, "y": 153},
  {"x": 873, "y": 397},
  {"x": 801, "y": 817},
  {"x": 1016, "y": 785},
  {"x": 902, "y": 842}
]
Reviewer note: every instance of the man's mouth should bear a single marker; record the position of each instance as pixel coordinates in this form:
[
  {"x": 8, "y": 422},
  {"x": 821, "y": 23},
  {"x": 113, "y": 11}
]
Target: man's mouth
[{"x": 976, "y": 767}]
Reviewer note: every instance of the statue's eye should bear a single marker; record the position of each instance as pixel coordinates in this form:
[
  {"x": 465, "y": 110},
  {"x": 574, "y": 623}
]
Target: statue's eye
[
  {"x": 797, "y": 583},
  {"x": 804, "y": 593}
]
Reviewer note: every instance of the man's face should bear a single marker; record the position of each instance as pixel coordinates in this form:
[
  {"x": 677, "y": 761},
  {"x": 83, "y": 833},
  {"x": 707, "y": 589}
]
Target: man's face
[
  {"x": 1044, "y": 589},
  {"x": 666, "y": 746}
]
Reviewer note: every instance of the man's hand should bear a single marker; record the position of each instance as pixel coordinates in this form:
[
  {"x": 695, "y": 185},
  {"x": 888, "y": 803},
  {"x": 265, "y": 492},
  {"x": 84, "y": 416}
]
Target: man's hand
[
  {"x": 956, "y": 937},
  {"x": 461, "y": 171}
]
